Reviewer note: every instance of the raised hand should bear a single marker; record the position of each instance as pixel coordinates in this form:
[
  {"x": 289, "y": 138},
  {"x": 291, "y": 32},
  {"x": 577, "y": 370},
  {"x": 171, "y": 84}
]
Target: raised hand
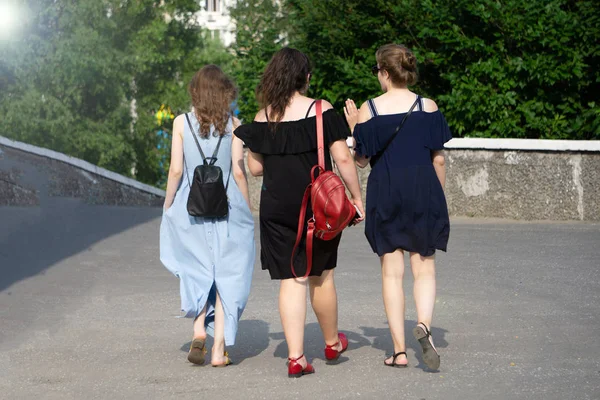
[{"x": 351, "y": 113}]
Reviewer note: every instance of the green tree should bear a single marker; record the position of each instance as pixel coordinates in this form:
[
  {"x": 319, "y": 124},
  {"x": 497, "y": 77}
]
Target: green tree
[
  {"x": 65, "y": 86},
  {"x": 87, "y": 77},
  {"x": 497, "y": 69},
  {"x": 259, "y": 34},
  {"x": 165, "y": 53}
]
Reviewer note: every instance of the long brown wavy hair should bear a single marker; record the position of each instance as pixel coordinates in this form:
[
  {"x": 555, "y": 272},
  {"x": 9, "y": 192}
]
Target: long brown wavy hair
[
  {"x": 212, "y": 93},
  {"x": 285, "y": 74}
]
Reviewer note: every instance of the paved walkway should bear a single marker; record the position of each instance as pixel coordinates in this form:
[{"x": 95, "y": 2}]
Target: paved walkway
[{"x": 88, "y": 316}]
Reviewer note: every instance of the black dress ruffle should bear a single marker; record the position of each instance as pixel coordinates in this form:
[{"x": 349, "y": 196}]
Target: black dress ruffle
[{"x": 292, "y": 137}]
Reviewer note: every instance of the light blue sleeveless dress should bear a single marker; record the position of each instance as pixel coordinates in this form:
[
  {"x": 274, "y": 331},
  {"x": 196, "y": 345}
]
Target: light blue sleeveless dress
[{"x": 209, "y": 255}]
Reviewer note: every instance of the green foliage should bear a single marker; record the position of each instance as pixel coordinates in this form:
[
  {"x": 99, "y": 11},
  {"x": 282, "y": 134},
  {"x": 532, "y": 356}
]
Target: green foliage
[
  {"x": 87, "y": 77},
  {"x": 259, "y": 34},
  {"x": 64, "y": 89},
  {"x": 497, "y": 69}
]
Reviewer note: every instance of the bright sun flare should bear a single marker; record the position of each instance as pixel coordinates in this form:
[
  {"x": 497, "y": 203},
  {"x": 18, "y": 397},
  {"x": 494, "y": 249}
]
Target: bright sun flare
[{"x": 8, "y": 19}]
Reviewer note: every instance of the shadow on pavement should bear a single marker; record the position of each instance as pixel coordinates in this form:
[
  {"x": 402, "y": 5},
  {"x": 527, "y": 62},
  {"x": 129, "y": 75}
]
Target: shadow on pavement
[
  {"x": 252, "y": 339},
  {"x": 314, "y": 343},
  {"x": 382, "y": 340},
  {"x": 33, "y": 239}
]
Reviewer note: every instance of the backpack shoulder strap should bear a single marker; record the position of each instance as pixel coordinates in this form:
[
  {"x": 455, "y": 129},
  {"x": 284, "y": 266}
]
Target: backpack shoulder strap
[
  {"x": 320, "y": 140},
  {"x": 214, "y": 156},
  {"x": 311, "y": 223},
  {"x": 309, "y": 234},
  {"x": 194, "y": 136}
]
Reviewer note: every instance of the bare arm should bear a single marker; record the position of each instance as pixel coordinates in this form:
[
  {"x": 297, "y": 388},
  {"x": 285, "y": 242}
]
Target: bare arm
[
  {"x": 437, "y": 157},
  {"x": 363, "y": 116},
  {"x": 237, "y": 164},
  {"x": 439, "y": 164},
  {"x": 176, "y": 165},
  {"x": 345, "y": 164},
  {"x": 255, "y": 163},
  {"x": 255, "y": 160}
]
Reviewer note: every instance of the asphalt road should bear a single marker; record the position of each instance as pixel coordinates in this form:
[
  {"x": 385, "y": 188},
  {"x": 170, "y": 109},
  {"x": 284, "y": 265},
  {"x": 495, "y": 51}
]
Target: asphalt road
[{"x": 88, "y": 312}]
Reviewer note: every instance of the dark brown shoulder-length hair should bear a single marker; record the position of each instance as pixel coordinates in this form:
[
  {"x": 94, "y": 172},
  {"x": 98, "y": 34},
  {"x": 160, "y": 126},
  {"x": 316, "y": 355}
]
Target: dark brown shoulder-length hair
[
  {"x": 285, "y": 74},
  {"x": 212, "y": 93}
]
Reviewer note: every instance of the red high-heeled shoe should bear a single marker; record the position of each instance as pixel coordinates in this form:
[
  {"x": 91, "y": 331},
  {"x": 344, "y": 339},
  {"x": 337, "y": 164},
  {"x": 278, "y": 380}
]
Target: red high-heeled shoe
[
  {"x": 331, "y": 353},
  {"x": 295, "y": 369}
]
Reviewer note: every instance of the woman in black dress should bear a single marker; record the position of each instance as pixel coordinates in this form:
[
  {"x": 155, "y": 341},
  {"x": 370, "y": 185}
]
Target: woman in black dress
[
  {"x": 283, "y": 149},
  {"x": 406, "y": 206}
]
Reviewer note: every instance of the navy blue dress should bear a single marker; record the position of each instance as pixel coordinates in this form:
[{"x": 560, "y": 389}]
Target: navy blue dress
[{"x": 406, "y": 207}]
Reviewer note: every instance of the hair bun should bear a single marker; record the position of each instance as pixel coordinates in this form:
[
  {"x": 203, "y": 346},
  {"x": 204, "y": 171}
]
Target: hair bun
[
  {"x": 408, "y": 61},
  {"x": 399, "y": 62}
]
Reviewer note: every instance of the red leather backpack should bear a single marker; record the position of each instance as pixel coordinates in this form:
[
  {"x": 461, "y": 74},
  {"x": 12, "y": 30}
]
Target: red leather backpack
[{"x": 332, "y": 211}]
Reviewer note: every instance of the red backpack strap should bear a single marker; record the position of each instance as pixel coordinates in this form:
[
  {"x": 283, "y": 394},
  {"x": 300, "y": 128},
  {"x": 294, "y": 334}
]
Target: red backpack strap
[
  {"x": 320, "y": 141},
  {"x": 311, "y": 223},
  {"x": 309, "y": 234}
]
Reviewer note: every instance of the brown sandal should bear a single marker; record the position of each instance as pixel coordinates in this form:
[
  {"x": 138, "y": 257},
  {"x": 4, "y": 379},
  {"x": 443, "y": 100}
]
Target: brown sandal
[
  {"x": 197, "y": 353},
  {"x": 430, "y": 354},
  {"x": 226, "y": 363}
]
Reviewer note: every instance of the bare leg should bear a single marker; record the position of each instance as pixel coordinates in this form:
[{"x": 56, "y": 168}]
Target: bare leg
[
  {"x": 292, "y": 309},
  {"x": 218, "y": 349},
  {"x": 323, "y": 298},
  {"x": 423, "y": 269},
  {"x": 424, "y": 290},
  {"x": 197, "y": 348},
  {"x": 199, "y": 330},
  {"x": 392, "y": 270}
]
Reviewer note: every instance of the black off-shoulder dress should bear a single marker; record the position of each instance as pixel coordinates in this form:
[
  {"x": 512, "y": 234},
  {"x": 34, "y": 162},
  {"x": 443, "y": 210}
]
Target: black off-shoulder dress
[{"x": 289, "y": 153}]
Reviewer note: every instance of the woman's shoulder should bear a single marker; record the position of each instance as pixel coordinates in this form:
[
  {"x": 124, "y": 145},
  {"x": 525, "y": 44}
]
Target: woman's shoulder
[
  {"x": 426, "y": 107},
  {"x": 429, "y": 105},
  {"x": 179, "y": 124},
  {"x": 180, "y": 120},
  {"x": 326, "y": 105},
  {"x": 235, "y": 122},
  {"x": 261, "y": 116}
]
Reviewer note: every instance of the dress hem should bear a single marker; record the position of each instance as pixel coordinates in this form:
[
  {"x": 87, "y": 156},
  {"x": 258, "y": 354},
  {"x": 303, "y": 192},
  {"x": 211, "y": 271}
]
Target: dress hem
[
  {"x": 293, "y": 277},
  {"x": 444, "y": 249}
]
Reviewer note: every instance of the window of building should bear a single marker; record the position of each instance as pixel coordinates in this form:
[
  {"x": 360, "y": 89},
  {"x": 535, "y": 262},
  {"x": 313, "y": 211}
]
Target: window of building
[{"x": 213, "y": 5}]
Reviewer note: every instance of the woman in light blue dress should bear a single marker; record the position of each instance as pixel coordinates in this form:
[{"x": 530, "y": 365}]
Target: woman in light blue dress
[{"x": 213, "y": 258}]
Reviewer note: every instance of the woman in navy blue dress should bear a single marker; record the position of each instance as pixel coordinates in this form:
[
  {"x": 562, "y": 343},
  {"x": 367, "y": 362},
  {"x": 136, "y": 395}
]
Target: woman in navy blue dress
[{"x": 406, "y": 207}]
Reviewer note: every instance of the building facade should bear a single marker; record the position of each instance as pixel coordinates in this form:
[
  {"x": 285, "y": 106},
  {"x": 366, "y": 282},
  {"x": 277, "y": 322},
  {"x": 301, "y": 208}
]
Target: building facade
[{"x": 215, "y": 18}]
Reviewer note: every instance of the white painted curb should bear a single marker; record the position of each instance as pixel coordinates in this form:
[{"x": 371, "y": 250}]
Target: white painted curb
[
  {"x": 524, "y": 144},
  {"x": 84, "y": 165}
]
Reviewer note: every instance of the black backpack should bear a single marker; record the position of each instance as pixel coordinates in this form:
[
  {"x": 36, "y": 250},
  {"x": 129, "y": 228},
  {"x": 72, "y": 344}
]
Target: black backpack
[{"x": 208, "y": 195}]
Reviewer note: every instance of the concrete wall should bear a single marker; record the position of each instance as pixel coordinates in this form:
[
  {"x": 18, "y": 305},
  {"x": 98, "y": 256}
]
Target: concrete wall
[
  {"x": 32, "y": 176},
  {"x": 524, "y": 185},
  {"x": 499, "y": 178},
  {"x": 516, "y": 179}
]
